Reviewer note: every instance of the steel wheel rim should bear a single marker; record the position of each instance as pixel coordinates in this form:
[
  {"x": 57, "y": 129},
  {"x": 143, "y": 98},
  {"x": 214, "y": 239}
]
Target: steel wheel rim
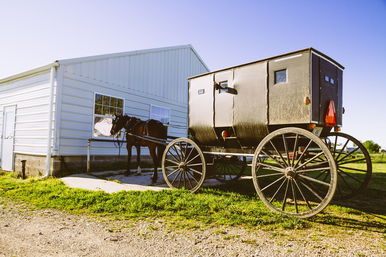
[
  {"x": 288, "y": 180},
  {"x": 225, "y": 169},
  {"x": 183, "y": 165},
  {"x": 351, "y": 181}
]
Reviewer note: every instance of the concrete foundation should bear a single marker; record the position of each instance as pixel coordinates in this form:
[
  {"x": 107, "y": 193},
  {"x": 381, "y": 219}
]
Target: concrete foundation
[{"x": 63, "y": 165}]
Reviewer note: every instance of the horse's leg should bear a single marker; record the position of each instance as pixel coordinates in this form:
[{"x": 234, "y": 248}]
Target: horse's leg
[
  {"x": 152, "y": 149},
  {"x": 128, "y": 147},
  {"x": 138, "y": 160}
]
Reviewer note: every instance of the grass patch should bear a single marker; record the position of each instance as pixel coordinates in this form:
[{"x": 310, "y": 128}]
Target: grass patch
[
  {"x": 230, "y": 205},
  {"x": 210, "y": 206}
]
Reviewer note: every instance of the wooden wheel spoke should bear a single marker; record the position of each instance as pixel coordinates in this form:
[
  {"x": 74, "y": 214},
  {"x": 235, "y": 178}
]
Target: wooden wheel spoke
[
  {"x": 295, "y": 152},
  {"x": 347, "y": 155},
  {"x": 195, "y": 171},
  {"x": 271, "y": 184},
  {"x": 274, "y": 147},
  {"x": 286, "y": 149},
  {"x": 285, "y": 197},
  {"x": 171, "y": 161},
  {"x": 190, "y": 183},
  {"x": 171, "y": 173},
  {"x": 269, "y": 175},
  {"x": 305, "y": 163},
  {"x": 315, "y": 169},
  {"x": 304, "y": 151},
  {"x": 173, "y": 155},
  {"x": 341, "y": 150},
  {"x": 277, "y": 191},
  {"x": 177, "y": 153},
  {"x": 344, "y": 181},
  {"x": 271, "y": 167},
  {"x": 273, "y": 158},
  {"x": 294, "y": 196},
  {"x": 348, "y": 168},
  {"x": 352, "y": 161},
  {"x": 351, "y": 176},
  {"x": 301, "y": 193},
  {"x": 179, "y": 174},
  {"x": 192, "y": 176},
  {"x": 314, "y": 180},
  {"x": 311, "y": 190},
  {"x": 195, "y": 157}
]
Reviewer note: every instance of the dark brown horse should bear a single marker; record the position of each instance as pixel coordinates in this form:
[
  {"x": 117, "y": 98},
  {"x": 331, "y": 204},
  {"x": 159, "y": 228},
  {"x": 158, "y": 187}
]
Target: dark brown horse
[{"x": 151, "y": 128}]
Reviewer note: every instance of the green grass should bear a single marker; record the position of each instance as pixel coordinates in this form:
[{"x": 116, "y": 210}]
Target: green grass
[
  {"x": 232, "y": 204},
  {"x": 378, "y": 157},
  {"x": 210, "y": 206}
]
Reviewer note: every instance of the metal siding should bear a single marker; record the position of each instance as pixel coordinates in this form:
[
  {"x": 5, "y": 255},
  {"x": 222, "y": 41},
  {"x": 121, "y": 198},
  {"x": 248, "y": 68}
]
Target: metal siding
[
  {"x": 30, "y": 94},
  {"x": 151, "y": 78}
]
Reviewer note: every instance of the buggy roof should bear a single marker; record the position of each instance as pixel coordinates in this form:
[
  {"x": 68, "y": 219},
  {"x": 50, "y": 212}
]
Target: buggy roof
[{"x": 310, "y": 49}]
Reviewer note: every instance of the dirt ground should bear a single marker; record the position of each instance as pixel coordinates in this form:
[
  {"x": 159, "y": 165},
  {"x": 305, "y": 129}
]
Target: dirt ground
[{"x": 27, "y": 232}]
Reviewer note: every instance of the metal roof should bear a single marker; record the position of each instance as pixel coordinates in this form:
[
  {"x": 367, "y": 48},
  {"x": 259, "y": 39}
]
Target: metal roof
[{"x": 97, "y": 57}]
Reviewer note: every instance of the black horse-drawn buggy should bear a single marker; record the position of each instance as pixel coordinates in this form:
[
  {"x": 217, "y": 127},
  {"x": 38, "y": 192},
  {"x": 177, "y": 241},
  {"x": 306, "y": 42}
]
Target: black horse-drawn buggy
[{"x": 280, "y": 116}]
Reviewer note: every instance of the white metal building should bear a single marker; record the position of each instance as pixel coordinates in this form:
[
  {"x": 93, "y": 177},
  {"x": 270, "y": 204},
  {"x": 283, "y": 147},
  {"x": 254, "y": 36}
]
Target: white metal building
[{"x": 76, "y": 96}]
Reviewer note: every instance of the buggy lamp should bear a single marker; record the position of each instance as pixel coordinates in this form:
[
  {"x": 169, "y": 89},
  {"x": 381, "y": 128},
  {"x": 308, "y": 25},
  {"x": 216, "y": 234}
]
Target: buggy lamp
[{"x": 330, "y": 118}]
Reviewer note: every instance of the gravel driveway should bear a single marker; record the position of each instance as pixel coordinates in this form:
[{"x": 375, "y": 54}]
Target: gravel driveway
[{"x": 26, "y": 232}]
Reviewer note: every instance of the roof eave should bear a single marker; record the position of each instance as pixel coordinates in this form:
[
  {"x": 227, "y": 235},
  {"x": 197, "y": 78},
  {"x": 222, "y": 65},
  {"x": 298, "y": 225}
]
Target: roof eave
[{"x": 29, "y": 72}]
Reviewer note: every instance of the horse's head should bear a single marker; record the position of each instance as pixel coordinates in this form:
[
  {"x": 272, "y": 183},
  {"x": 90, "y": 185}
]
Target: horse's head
[{"x": 118, "y": 123}]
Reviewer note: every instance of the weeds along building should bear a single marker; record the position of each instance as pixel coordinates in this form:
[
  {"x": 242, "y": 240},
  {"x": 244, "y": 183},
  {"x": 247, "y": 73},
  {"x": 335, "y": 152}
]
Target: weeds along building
[{"x": 48, "y": 114}]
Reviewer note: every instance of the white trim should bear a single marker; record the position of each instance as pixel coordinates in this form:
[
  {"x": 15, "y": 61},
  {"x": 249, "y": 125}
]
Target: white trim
[
  {"x": 28, "y": 73},
  {"x": 50, "y": 119},
  {"x": 2, "y": 135},
  {"x": 287, "y": 58},
  {"x": 324, "y": 58},
  {"x": 58, "y": 109}
]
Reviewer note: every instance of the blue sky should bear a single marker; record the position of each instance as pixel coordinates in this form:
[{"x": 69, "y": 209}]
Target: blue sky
[{"x": 225, "y": 33}]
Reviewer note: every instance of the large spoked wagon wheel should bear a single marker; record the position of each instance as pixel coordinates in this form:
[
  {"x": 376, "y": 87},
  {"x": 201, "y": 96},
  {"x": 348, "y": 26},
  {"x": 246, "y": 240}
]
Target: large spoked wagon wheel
[
  {"x": 183, "y": 165},
  {"x": 229, "y": 168},
  {"x": 353, "y": 163},
  {"x": 294, "y": 172}
]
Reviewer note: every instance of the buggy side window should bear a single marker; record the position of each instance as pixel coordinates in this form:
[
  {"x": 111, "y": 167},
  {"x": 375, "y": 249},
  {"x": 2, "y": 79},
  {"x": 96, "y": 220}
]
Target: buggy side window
[{"x": 280, "y": 76}]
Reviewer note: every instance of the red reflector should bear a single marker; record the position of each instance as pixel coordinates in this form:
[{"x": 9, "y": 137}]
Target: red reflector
[
  {"x": 224, "y": 133},
  {"x": 330, "y": 119}
]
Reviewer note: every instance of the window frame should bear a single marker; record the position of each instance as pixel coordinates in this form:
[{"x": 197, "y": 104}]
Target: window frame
[
  {"x": 286, "y": 76},
  {"x": 106, "y": 116},
  {"x": 167, "y": 108}
]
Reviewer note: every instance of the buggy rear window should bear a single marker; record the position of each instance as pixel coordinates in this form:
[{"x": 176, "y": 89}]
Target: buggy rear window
[{"x": 280, "y": 76}]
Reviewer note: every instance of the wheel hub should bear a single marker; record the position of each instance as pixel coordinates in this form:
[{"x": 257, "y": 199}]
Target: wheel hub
[
  {"x": 290, "y": 173},
  {"x": 182, "y": 166}
]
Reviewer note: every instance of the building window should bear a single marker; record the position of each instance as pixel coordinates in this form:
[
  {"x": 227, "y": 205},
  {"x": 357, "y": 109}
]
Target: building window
[
  {"x": 104, "y": 109},
  {"x": 160, "y": 113},
  {"x": 280, "y": 76}
]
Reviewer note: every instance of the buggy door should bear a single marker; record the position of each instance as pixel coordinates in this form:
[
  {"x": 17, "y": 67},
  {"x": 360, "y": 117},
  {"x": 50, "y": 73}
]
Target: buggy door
[
  {"x": 223, "y": 100},
  {"x": 330, "y": 89}
]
